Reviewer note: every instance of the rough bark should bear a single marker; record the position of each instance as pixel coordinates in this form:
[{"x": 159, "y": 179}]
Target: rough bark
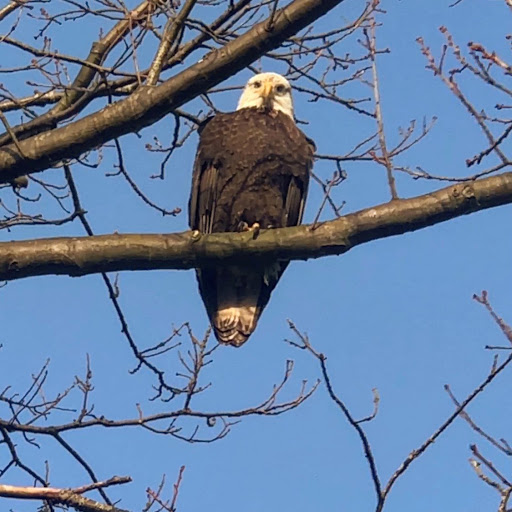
[
  {"x": 64, "y": 497},
  {"x": 107, "y": 253},
  {"x": 150, "y": 104}
]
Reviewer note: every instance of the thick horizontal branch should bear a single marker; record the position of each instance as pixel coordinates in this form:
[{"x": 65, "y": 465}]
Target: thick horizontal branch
[
  {"x": 107, "y": 253},
  {"x": 150, "y": 104}
]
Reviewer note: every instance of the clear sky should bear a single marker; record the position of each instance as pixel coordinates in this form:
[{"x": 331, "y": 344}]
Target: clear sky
[{"x": 395, "y": 314}]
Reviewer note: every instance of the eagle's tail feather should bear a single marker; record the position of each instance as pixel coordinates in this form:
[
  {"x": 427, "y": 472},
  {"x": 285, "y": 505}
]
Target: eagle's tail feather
[
  {"x": 235, "y": 298},
  {"x": 234, "y": 325},
  {"x": 238, "y": 305}
]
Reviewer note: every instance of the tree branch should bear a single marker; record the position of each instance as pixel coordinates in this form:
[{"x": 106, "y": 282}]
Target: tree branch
[
  {"x": 69, "y": 497},
  {"x": 10, "y": 7},
  {"x": 77, "y": 89},
  {"x": 107, "y": 253},
  {"x": 150, "y": 104}
]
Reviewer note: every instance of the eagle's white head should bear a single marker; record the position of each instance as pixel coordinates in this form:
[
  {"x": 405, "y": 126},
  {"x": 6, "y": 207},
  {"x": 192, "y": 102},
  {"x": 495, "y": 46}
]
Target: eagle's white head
[{"x": 269, "y": 90}]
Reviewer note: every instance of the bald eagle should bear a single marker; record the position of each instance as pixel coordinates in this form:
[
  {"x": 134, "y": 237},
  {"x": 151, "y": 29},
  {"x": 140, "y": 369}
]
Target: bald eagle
[{"x": 251, "y": 170}]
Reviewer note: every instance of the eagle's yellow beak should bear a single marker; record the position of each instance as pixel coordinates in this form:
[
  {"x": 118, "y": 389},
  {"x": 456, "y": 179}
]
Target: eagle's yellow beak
[{"x": 267, "y": 94}]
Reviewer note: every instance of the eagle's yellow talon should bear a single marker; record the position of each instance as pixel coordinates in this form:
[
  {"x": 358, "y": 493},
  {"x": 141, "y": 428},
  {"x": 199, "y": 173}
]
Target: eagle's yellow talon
[{"x": 196, "y": 235}]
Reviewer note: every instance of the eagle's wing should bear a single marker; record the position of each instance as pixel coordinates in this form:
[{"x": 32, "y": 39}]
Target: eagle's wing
[
  {"x": 297, "y": 192},
  {"x": 295, "y": 201},
  {"x": 203, "y": 200},
  {"x": 203, "y": 196}
]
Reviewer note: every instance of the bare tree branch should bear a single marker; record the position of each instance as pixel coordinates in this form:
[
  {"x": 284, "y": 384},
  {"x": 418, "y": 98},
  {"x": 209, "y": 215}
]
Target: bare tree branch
[
  {"x": 149, "y": 104},
  {"x": 69, "y": 497},
  {"x": 107, "y": 253}
]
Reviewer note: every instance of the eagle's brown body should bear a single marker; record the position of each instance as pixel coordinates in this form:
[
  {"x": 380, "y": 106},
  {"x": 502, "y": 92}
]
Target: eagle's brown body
[{"x": 252, "y": 166}]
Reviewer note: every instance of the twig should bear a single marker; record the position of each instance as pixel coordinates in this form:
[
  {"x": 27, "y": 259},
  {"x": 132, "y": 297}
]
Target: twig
[
  {"x": 354, "y": 423},
  {"x": 418, "y": 452},
  {"x": 385, "y": 158},
  {"x": 163, "y": 386}
]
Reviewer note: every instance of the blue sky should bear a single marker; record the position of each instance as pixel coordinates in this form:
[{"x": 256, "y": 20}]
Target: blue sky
[{"x": 395, "y": 314}]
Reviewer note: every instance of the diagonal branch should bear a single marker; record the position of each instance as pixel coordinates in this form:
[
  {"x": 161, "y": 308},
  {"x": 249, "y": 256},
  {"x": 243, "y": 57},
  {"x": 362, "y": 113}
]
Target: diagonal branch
[
  {"x": 415, "y": 454},
  {"x": 108, "y": 253},
  {"x": 150, "y": 104},
  {"x": 10, "y": 7},
  {"x": 89, "y": 69},
  {"x": 171, "y": 32}
]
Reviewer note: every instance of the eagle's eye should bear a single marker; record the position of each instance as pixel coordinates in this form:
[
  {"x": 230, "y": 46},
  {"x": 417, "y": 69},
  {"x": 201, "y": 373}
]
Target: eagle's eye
[
  {"x": 281, "y": 89},
  {"x": 256, "y": 84}
]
